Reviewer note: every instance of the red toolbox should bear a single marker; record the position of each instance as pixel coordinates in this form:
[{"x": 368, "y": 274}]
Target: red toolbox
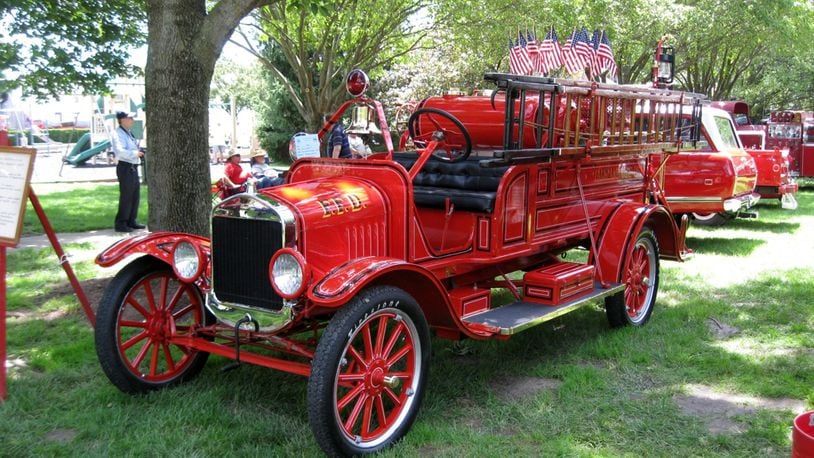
[{"x": 557, "y": 283}]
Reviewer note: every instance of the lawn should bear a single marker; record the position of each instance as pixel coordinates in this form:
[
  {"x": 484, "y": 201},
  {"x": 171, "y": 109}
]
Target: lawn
[
  {"x": 79, "y": 209},
  {"x": 721, "y": 370}
]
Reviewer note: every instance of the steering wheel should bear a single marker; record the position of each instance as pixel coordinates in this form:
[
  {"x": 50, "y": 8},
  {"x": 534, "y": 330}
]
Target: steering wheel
[{"x": 454, "y": 143}]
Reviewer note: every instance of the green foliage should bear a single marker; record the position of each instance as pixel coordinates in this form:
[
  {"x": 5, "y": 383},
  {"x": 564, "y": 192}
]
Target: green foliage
[
  {"x": 322, "y": 41},
  {"x": 52, "y": 48},
  {"x": 756, "y": 50},
  {"x": 279, "y": 118}
]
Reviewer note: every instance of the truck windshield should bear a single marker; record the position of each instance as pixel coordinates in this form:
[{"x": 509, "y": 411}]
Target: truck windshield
[{"x": 727, "y": 132}]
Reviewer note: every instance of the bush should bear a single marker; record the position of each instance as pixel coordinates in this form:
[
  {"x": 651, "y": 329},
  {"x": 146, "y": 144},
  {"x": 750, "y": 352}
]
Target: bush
[{"x": 62, "y": 135}]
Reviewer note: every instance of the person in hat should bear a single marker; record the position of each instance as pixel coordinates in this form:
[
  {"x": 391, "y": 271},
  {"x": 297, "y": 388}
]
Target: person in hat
[
  {"x": 235, "y": 174},
  {"x": 126, "y": 149},
  {"x": 266, "y": 176}
]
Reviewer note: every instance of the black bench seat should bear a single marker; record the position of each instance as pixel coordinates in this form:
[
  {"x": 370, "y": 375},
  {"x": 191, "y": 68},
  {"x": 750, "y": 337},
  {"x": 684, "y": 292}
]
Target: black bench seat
[{"x": 466, "y": 184}]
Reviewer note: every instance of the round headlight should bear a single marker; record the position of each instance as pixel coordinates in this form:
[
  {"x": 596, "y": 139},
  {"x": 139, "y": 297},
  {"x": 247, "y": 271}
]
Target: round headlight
[
  {"x": 288, "y": 273},
  {"x": 187, "y": 260}
]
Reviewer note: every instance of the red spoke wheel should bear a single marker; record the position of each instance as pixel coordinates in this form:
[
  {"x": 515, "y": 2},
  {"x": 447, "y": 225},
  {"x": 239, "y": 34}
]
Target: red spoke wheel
[
  {"x": 368, "y": 374},
  {"x": 641, "y": 278},
  {"x": 427, "y": 124},
  {"x": 143, "y": 307}
]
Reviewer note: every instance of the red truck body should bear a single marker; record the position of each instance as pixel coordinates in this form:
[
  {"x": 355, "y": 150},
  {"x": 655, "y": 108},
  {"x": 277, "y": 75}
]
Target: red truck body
[
  {"x": 712, "y": 183},
  {"x": 772, "y": 155},
  {"x": 340, "y": 274}
]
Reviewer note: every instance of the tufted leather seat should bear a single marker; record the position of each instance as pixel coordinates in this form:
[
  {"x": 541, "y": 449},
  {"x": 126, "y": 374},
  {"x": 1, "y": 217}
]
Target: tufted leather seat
[{"x": 468, "y": 185}]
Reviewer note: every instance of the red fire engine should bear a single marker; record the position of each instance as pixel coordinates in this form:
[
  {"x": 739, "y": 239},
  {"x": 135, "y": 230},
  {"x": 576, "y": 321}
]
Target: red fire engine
[
  {"x": 340, "y": 274},
  {"x": 775, "y": 179}
]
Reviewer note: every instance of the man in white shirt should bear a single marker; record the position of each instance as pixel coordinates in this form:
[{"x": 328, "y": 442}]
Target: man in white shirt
[{"x": 127, "y": 152}]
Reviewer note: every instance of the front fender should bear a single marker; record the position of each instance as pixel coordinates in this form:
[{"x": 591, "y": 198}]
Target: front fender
[
  {"x": 624, "y": 225},
  {"x": 156, "y": 244},
  {"x": 341, "y": 283}
]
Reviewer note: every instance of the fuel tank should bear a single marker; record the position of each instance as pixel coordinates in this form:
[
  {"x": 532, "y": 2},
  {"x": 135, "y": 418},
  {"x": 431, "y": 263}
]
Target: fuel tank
[{"x": 484, "y": 119}]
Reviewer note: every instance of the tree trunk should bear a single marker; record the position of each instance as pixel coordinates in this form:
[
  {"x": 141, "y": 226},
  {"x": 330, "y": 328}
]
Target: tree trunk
[
  {"x": 183, "y": 43},
  {"x": 177, "y": 95}
]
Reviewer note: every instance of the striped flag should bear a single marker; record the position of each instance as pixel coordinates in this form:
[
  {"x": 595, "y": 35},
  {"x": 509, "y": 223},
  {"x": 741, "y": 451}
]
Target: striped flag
[
  {"x": 596, "y": 64},
  {"x": 533, "y": 50},
  {"x": 604, "y": 54},
  {"x": 550, "y": 53},
  {"x": 513, "y": 58},
  {"x": 584, "y": 49},
  {"x": 525, "y": 59},
  {"x": 570, "y": 59}
]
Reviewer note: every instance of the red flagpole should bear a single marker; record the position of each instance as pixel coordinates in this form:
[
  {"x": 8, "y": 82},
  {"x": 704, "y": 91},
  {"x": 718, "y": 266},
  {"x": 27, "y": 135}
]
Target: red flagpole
[
  {"x": 63, "y": 260},
  {"x": 3, "y": 390}
]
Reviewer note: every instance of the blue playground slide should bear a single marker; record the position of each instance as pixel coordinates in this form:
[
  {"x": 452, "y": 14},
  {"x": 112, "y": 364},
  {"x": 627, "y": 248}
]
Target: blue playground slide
[{"x": 78, "y": 156}]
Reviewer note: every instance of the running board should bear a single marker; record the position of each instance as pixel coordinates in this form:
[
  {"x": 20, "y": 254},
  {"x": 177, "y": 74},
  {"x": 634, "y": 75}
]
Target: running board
[{"x": 519, "y": 316}]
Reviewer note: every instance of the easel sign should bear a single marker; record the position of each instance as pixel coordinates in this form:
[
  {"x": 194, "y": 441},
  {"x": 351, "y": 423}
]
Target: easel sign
[{"x": 16, "y": 165}]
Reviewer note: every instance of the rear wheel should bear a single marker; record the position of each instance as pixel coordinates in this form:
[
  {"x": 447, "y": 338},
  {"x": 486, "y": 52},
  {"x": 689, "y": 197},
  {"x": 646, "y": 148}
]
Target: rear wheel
[
  {"x": 143, "y": 307},
  {"x": 635, "y": 304},
  {"x": 368, "y": 374},
  {"x": 711, "y": 219}
]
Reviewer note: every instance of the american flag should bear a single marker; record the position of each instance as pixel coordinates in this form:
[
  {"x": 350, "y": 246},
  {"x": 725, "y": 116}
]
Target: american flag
[
  {"x": 604, "y": 54},
  {"x": 570, "y": 58},
  {"x": 533, "y": 50},
  {"x": 584, "y": 49},
  {"x": 550, "y": 53},
  {"x": 525, "y": 59},
  {"x": 513, "y": 58},
  {"x": 596, "y": 65}
]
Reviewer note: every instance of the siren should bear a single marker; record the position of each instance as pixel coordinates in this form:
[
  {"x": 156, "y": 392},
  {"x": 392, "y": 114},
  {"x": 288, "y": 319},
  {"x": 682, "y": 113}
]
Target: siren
[{"x": 357, "y": 83}]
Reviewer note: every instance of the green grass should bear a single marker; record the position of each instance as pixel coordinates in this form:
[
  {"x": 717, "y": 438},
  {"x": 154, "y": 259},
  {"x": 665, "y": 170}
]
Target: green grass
[
  {"x": 79, "y": 209},
  {"x": 617, "y": 388}
]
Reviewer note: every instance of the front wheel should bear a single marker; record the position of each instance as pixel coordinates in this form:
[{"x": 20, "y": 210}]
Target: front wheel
[
  {"x": 368, "y": 373},
  {"x": 142, "y": 308},
  {"x": 711, "y": 219},
  {"x": 635, "y": 304}
]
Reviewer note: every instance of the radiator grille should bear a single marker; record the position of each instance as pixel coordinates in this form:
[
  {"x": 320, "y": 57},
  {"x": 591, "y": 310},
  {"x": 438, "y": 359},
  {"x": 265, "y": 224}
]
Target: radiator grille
[{"x": 241, "y": 251}]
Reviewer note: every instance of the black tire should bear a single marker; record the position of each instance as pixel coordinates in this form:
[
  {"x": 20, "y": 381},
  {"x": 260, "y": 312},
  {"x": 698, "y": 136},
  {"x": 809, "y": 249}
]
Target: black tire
[
  {"x": 711, "y": 219},
  {"x": 131, "y": 344},
  {"x": 390, "y": 392},
  {"x": 450, "y": 154},
  {"x": 634, "y": 305}
]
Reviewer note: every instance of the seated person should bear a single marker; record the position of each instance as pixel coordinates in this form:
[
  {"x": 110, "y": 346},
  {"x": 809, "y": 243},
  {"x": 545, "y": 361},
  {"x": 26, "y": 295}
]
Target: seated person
[
  {"x": 358, "y": 148},
  {"x": 234, "y": 175},
  {"x": 266, "y": 176}
]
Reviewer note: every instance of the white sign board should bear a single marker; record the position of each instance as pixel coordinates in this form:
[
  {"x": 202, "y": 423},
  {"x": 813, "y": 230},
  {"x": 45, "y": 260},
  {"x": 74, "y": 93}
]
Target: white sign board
[
  {"x": 305, "y": 145},
  {"x": 16, "y": 165}
]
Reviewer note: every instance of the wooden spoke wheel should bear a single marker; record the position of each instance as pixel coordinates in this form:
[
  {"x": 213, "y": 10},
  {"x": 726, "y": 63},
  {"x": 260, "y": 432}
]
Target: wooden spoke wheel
[
  {"x": 641, "y": 278},
  {"x": 368, "y": 374},
  {"x": 143, "y": 307}
]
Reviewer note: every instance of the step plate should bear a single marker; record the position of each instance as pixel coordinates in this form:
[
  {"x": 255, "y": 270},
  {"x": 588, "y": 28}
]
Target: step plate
[{"x": 519, "y": 316}]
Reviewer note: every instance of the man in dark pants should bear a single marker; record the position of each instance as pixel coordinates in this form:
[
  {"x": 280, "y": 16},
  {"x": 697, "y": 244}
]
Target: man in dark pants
[{"x": 127, "y": 152}]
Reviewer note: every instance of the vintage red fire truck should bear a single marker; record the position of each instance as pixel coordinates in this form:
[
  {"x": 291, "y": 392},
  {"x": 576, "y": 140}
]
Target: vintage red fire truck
[
  {"x": 775, "y": 179},
  {"x": 341, "y": 274},
  {"x": 793, "y": 131},
  {"x": 711, "y": 179}
]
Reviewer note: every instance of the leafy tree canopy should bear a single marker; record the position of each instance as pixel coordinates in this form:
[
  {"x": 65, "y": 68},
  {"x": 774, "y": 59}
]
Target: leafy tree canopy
[
  {"x": 53, "y": 48},
  {"x": 323, "y": 40}
]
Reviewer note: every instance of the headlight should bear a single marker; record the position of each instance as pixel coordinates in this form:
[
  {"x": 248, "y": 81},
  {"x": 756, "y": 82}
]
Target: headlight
[
  {"x": 288, "y": 273},
  {"x": 187, "y": 260}
]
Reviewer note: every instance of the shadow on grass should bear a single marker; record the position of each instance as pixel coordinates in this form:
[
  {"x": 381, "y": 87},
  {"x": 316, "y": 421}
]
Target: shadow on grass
[
  {"x": 776, "y": 227},
  {"x": 724, "y": 246}
]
